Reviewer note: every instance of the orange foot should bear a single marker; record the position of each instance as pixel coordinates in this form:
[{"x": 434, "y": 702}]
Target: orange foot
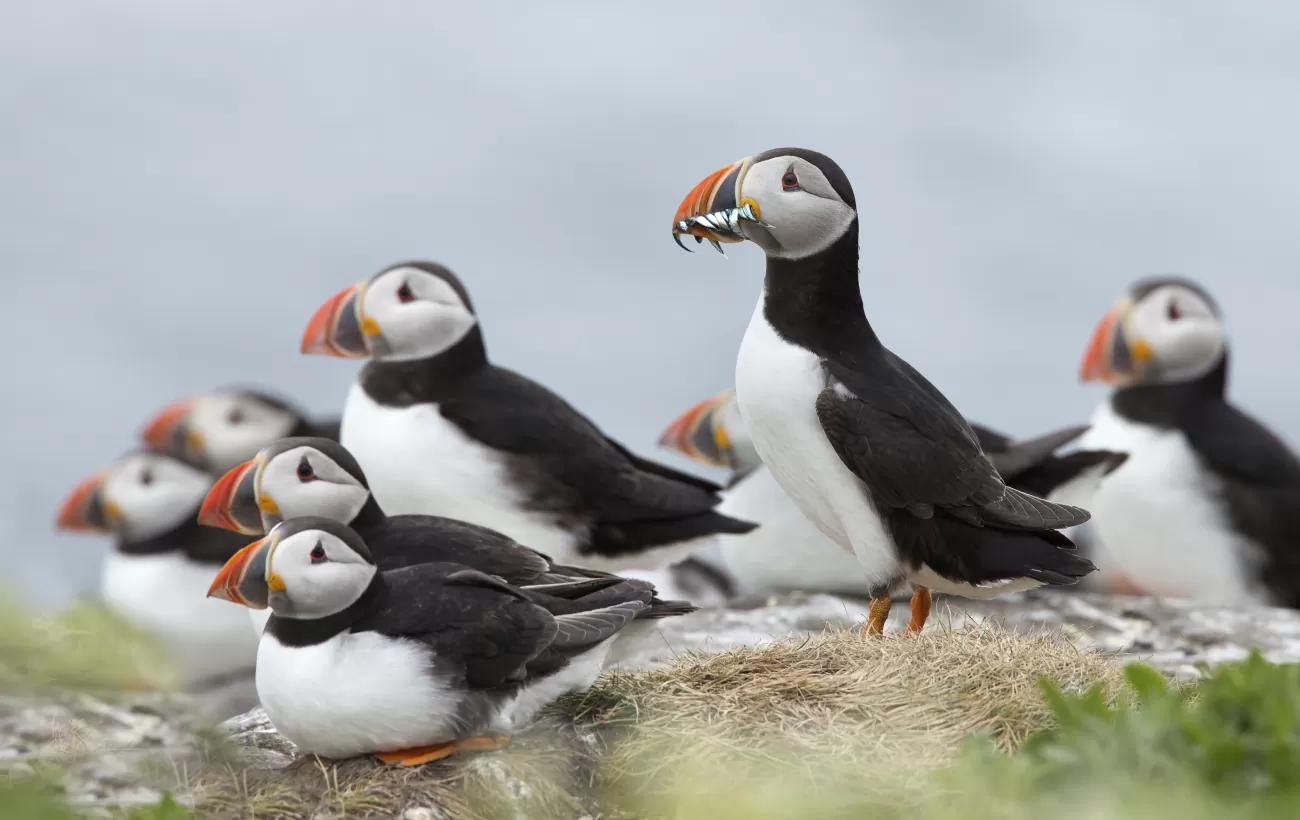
[
  {"x": 877, "y": 614},
  {"x": 920, "y": 610},
  {"x": 427, "y": 754}
]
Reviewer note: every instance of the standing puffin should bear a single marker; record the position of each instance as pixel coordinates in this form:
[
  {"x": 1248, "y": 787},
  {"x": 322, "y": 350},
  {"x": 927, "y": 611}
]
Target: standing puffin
[
  {"x": 788, "y": 552},
  {"x": 217, "y": 430},
  {"x": 162, "y": 562},
  {"x": 440, "y": 430},
  {"x": 1206, "y": 505},
  {"x": 868, "y": 449},
  {"x": 410, "y": 664},
  {"x": 315, "y": 477}
]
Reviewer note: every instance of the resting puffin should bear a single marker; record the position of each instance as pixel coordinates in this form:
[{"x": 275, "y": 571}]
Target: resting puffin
[
  {"x": 868, "y": 449},
  {"x": 440, "y": 430},
  {"x": 315, "y": 477},
  {"x": 217, "y": 430},
  {"x": 162, "y": 562},
  {"x": 410, "y": 664},
  {"x": 788, "y": 552},
  {"x": 1206, "y": 505}
]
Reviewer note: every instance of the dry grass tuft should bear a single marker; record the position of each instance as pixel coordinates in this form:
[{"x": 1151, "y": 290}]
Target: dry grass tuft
[{"x": 760, "y": 724}]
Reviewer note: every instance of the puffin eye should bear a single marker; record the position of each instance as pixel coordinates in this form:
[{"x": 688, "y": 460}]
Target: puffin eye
[
  {"x": 235, "y": 416},
  {"x": 789, "y": 180},
  {"x": 305, "y": 472},
  {"x": 405, "y": 294},
  {"x": 146, "y": 476},
  {"x": 1174, "y": 313},
  {"x": 317, "y": 553}
]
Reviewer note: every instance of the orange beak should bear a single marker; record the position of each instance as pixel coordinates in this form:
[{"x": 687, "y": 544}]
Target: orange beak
[
  {"x": 699, "y": 433},
  {"x": 1111, "y": 356},
  {"x": 337, "y": 328},
  {"x": 713, "y": 208},
  {"x": 166, "y": 430},
  {"x": 243, "y": 579},
  {"x": 84, "y": 509},
  {"x": 231, "y": 504}
]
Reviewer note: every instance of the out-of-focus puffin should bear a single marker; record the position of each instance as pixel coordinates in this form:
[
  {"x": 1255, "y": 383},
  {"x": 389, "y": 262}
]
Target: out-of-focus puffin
[
  {"x": 788, "y": 552},
  {"x": 217, "y": 430},
  {"x": 867, "y": 448},
  {"x": 162, "y": 562},
  {"x": 410, "y": 664},
  {"x": 315, "y": 477},
  {"x": 440, "y": 430},
  {"x": 1208, "y": 504}
]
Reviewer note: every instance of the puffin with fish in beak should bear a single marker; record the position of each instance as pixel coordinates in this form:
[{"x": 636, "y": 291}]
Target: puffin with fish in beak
[{"x": 871, "y": 452}]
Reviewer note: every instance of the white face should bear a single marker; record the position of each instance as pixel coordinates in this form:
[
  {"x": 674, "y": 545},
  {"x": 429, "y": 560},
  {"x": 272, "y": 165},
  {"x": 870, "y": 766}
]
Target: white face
[
  {"x": 319, "y": 572},
  {"x": 1185, "y": 337},
  {"x": 418, "y": 314},
  {"x": 151, "y": 494},
  {"x": 304, "y": 482},
  {"x": 233, "y": 427},
  {"x": 799, "y": 213}
]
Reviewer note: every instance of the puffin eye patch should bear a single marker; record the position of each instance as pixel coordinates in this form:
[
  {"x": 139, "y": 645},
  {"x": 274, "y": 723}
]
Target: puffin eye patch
[
  {"x": 790, "y": 180},
  {"x": 317, "y": 553}
]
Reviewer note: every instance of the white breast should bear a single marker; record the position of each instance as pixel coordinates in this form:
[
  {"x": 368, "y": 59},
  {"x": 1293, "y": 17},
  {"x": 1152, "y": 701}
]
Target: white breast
[
  {"x": 786, "y": 551},
  {"x": 417, "y": 462},
  {"x": 355, "y": 694},
  {"x": 1159, "y": 519},
  {"x": 166, "y": 596},
  {"x": 777, "y": 385}
]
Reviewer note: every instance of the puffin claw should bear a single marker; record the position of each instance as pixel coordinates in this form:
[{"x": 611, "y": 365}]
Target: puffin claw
[
  {"x": 717, "y": 246},
  {"x": 698, "y": 240},
  {"x": 678, "y": 239}
]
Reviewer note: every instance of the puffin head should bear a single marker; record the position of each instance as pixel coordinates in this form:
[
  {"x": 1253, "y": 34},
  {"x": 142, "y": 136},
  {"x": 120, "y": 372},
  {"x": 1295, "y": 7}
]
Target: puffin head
[
  {"x": 713, "y": 433},
  {"x": 292, "y": 478},
  {"x": 414, "y": 310},
  {"x": 1163, "y": 331},
  {"x": 218, "y": 430},
  {"x": 140, "y": 496},
  {"x": 304, "y": 568},
  {"x": 791, "y": 202}
]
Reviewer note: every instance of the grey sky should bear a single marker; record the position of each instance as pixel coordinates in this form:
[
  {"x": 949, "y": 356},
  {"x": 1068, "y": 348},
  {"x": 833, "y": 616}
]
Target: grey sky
[{"x": 184, "y": 183}]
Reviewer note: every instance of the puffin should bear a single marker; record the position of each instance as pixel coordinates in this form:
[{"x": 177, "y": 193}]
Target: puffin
[
  {"x": 219, "y": 429},
  {"x": 162, "y": 562},
  {"x": 412, "y": 664},
  {"x": 788, "y": 552},
  {"x": 441, "y": 430},
  {"x": 1205, "y": 507},
  {"x": 865, "y": 446},
  {"x": 315, "y": 477}
]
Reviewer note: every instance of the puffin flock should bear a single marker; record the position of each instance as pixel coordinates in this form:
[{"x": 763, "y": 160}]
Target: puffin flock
[{"x": 463, "y": 546}]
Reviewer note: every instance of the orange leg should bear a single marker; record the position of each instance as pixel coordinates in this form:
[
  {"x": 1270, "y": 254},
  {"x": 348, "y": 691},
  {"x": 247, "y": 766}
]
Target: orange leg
[
  {"x": 427, "y": 754},
  {"x": 920, "y": 610},
  {"x": 877, "y": 614}
]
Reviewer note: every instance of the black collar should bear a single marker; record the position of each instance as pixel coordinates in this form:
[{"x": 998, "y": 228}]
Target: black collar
[
  {"x": 425, "y": 381},
  {"x": 1169, "y": 405},
  {"x": 312, "y": 631}
]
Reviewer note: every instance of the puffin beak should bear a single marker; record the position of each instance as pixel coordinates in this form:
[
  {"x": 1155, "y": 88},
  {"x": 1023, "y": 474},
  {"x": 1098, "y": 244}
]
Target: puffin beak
[
  {"x": 699, "y": 433},
  {"x": 169, "y": 429},
  {"x": 243, "y": 579},
  {"x": 338, "y": 328},
  {"x": 232, "y": 503},
  {"x": 85, "y": 509},
  {"x": 713, "y": 210},
  {"x": 1111, "y": 356}
]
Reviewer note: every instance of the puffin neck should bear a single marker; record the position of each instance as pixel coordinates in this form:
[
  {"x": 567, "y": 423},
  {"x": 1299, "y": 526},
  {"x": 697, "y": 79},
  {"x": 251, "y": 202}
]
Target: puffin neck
[
  {"x": 369, "y": 518},
  {"x": 311, "y": 631},
  {"x": 1166, "y": 405},
  {"x": 815, "y": 302},
  {"x": 425, "y": 381}
]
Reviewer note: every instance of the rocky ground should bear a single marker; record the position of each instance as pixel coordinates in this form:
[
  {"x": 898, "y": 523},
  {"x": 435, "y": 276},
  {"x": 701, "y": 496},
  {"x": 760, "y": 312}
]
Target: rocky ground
[{"x": 113, "y": 751}]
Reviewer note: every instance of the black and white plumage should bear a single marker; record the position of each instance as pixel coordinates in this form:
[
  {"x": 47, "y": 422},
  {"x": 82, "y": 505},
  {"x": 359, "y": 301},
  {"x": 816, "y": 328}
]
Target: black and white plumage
[
  {"x": 788, "y": 552},
  {"x": 162, "y": 562},
  {"x": 866, "y": 447},
  {"x": 440, "y": 430},
  {"x": 315, "y": 477},
  {"x": 217, "y": 430},
  {"x": 413, "y": 663},
  {"x": 1206, "y": 505}
]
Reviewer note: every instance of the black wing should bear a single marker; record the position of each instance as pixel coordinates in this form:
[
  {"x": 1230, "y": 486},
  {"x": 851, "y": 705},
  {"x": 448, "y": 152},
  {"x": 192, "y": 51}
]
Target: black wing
[
  {"x": 915, "y": 452},
  {"x": 404, "y": 540},
  {"x": 513, "y": 414},
  {"x": 473, "y": 624}
]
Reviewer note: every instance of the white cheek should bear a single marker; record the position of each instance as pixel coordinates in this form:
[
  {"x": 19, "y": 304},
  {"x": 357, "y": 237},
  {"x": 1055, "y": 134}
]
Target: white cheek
[{"x": 426, "y": 330}]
